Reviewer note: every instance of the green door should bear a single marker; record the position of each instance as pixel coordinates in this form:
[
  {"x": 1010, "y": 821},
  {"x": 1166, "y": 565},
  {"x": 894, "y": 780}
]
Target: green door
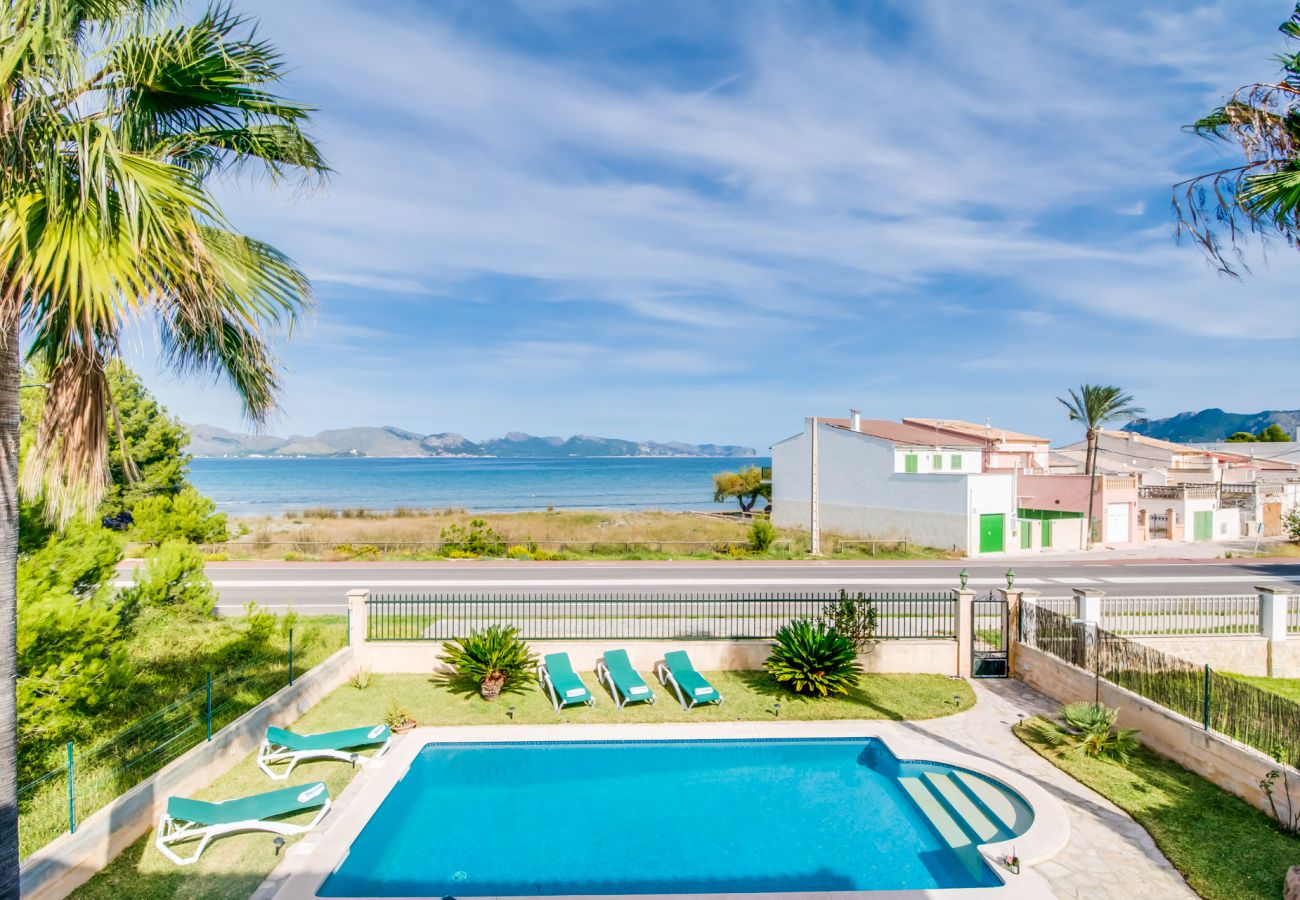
[
  {"x": 1026, "y": 538},
  {"x": 991, "y": 533},
  {"x": 1203, "y": 525},
  {"x": 1047, "y": 532}
]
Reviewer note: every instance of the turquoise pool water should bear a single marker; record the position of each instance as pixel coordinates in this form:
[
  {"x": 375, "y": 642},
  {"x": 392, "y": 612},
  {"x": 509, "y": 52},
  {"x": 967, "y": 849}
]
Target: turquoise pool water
[{"x": 675, "y": 817}]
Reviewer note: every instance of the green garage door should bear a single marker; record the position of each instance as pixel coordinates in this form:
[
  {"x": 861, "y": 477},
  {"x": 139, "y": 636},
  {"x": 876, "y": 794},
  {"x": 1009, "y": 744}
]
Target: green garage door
[
  {"x": 991, "y": 533},
  {"x": 1203, "y": 525}
]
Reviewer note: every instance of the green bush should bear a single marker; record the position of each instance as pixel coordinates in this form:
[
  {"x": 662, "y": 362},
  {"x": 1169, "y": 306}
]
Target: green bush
[
  {"x": 186, "y": 515},
  {"x": 479, "y": 539},
  {"x": 814, "y": 659},
  {"x": 494, "y": 656},
  {"x": 1088, "y": 729},
  {"x": 172, "y": 577},
  {"x": 761, "y": 535},
  {"x": 854, "y": 617},
  {"x": 1291, "y": 523}
]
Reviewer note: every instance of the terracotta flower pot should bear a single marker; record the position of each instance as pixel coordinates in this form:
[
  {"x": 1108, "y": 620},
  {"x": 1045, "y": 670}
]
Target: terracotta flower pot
[
  {"x": 492, "y": 685},
  {"x": 404, "y": 727}
]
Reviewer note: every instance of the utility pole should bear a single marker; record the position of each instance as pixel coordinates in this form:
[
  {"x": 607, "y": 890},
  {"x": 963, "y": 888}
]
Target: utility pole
[{"x": 816, "y": 524}]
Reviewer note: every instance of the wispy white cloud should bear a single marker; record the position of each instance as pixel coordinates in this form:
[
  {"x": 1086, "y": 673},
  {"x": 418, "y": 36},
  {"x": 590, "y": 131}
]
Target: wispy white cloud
[{"x": 899, "y": 185}]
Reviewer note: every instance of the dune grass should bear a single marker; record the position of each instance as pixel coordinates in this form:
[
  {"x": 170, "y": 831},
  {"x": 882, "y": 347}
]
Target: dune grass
[
  {"x": 1223, "y": 846},
  {"x": 342, "y": 535},
  {"x": 231, "y": 868}
]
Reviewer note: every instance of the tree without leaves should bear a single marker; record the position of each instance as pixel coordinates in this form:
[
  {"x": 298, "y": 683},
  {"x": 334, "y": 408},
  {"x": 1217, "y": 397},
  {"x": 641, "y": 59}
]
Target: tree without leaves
[
  {"x": 1095, "y": 405},
  {"x": 112, "y": 115},
  {"x": 746, "y": 486},
  {"x": 1261, "y": 194}
]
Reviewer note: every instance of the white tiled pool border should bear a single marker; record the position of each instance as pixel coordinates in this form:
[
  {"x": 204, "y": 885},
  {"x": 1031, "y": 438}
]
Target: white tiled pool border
[{"x": 308, "y": 862}]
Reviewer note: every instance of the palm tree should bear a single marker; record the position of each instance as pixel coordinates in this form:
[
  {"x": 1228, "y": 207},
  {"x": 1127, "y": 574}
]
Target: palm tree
[
  {"x": 113, "y": 114},
  {"x": 1261, "y": 193},
  {"x": 1094, "y": 405}
]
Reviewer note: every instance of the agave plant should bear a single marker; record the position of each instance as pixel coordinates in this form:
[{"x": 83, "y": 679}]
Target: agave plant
[
  {"x": 813, "y": 658},
  {"x": 1088, "y": 729},
  {"x": 492, "y": 657}
]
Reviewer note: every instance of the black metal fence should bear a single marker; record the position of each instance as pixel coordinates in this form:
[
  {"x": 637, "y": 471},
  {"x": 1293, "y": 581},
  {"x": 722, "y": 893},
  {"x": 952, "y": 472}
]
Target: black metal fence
[
  {"x": 1234, "y": 708},
  {"x": 698, "y": 616}
]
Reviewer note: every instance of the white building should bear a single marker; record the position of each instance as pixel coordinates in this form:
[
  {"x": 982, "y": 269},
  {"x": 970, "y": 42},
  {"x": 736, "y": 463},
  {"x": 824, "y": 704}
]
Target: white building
[{"x": 892, "y": 480}]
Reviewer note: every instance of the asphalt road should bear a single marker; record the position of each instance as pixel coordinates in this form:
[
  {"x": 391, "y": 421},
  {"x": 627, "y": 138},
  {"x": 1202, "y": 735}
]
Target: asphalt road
[{"x": 322, "y": 587}]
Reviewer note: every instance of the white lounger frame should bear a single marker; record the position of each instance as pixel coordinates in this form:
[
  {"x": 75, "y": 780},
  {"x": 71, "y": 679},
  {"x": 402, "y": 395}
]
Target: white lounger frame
[
  {"x": 544, "y": 677},
  {"x": 665, "y": 676},
  {"x": 604, "y": 676},
  {"x": 271, "y": 752},
  {"x": 173, "y": 831}
]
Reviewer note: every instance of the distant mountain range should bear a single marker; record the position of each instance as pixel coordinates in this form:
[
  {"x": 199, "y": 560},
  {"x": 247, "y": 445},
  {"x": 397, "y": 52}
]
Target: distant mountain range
[
  {"x": 208, "y": 440},
  {"x": 1214, "y": 424}
]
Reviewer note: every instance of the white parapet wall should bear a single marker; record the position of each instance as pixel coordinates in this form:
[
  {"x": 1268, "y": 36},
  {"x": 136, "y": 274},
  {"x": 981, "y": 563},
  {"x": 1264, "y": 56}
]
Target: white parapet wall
[
  {"x": 1232, "y": 766},
  {"x": 939, "y": 657},
  {"x": 60, "y": 867}
]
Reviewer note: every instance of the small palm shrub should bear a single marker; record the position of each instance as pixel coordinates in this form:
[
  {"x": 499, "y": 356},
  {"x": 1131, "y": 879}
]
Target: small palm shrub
[
  {"x": 1088, "y": 729},
  {"x": 492, "y": 657},
  {"x": 814, "y": 659}
]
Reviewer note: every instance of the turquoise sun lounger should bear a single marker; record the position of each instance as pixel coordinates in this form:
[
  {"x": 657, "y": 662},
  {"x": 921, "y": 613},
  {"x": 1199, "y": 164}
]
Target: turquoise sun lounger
[
  {"x": 625, "y": 685},
  {"x": 281, "y": 746},
  {"x": 187, "y": 819},
  {"x": 692, "y": 689},
  {"x": 560, "y": 682}
]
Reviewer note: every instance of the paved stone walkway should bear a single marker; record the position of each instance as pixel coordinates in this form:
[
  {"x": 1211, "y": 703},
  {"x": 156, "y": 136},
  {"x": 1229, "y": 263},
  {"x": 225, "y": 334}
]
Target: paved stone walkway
[{"x": 1109, "y": 855}]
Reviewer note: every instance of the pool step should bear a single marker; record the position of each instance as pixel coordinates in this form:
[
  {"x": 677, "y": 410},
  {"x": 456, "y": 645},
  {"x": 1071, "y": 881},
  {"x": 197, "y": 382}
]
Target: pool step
[
  {"x": 952, "y": 833},
  {"x": 960, "y": 805},
  {"x": 951, "y": 830},
  {"x": 1008, "y": 812}
]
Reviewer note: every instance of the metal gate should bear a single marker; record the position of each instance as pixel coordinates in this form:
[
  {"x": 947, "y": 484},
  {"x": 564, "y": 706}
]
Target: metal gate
[{"x": 989, "y": 638}]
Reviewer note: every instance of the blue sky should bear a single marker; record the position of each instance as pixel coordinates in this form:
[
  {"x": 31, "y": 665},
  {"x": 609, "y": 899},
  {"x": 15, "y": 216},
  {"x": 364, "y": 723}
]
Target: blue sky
[{"x": 703, "y": 221}]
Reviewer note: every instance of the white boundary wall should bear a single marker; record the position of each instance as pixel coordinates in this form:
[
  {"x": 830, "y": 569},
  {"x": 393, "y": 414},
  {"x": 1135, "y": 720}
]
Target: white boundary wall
[{"x": 63, "y": 865}]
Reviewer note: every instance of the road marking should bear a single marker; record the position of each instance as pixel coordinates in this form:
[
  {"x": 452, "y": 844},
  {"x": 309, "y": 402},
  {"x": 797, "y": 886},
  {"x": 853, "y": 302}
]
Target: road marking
[
  {"x": 543, "y": 584},
  {"x": 1076, "y": 580}
]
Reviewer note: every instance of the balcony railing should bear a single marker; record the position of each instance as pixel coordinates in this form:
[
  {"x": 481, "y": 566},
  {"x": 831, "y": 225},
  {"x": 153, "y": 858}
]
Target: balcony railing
[{"x": 1178, "y": 492}]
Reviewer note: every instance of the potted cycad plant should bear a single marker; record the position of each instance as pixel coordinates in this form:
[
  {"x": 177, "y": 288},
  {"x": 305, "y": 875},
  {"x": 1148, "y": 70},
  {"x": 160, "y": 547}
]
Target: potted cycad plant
[{"x": 493, "y": 657}]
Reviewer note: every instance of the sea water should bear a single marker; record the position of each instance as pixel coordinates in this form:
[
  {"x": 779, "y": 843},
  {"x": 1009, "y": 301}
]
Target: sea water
[{"x": 270, "y": 485}]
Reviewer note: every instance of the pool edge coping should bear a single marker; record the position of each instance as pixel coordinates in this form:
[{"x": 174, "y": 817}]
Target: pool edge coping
[{"x": 299, "y": 875}]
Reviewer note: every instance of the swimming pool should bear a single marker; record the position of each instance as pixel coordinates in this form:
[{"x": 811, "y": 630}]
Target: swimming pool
[{"x": 480, "y": 819}]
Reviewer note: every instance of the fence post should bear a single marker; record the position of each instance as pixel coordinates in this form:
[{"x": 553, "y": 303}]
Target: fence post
[
  {"x": 1087, "y": 611},
  {"x": 1205, "y": 705},
  {"x": 1273, "y": 605},
  {"x": 72, "y": 796},
  {"x": 1015, "y": 598},
  {"x": 357, "y": 616},
  {"x": 209, "y": 706},
  {"x": 290, "y": 657},
  {"x": 965, "y": 629}
]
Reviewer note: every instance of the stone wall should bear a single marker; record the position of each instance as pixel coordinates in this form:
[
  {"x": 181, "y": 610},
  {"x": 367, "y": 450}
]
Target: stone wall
[
  {"x": 60, "y": 867},
  {"x": 1234, "y": 767},
  {"x": 1245, "y": 654}
]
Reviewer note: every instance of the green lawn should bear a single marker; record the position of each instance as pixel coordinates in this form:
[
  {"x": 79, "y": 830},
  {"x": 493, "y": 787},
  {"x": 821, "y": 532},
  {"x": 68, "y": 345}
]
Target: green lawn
[
  {"x": 232, "y": 867},
  {"x": 1284, "y": 687},
  {"x": 749, "y": 696},
  {"x": 1225, "y": 848},
  {"x": 165, "y": 714}
]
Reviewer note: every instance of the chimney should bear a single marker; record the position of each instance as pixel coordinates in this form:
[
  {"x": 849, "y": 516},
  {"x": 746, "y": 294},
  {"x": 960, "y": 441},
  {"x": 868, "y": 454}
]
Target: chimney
[{"x": 855, "y": 419}]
